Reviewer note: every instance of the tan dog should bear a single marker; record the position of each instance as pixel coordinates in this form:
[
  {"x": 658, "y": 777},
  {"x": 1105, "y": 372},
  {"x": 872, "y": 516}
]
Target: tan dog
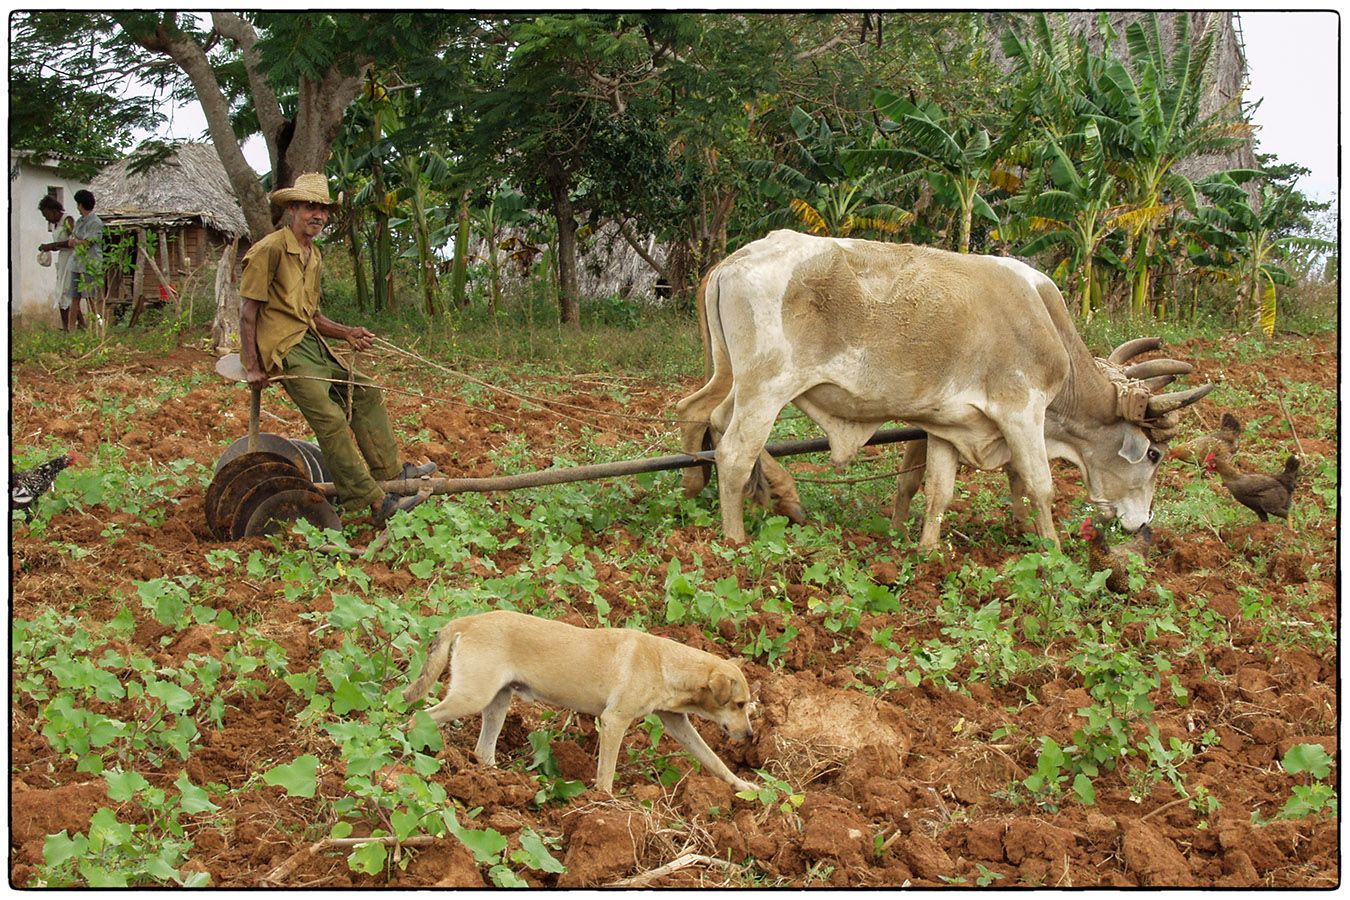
[{"x": 614, "y": 674}]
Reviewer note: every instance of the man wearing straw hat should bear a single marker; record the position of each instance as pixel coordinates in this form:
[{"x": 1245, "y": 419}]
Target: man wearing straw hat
[{"x": 282, "y": 333}]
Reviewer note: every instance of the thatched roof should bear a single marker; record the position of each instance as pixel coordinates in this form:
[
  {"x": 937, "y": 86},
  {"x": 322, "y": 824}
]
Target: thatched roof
[{"x": 189, "y": 183}]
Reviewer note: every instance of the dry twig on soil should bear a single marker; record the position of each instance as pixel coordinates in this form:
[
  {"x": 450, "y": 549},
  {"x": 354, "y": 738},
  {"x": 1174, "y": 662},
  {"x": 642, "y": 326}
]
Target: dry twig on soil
[{"x": 689, "y": 859}]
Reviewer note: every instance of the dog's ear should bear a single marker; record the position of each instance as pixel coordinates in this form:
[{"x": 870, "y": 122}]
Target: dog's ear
[{"x": 721, "y": 685}]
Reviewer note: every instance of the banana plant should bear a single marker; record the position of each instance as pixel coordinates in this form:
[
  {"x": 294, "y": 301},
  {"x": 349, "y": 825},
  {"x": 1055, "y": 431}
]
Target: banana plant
[
  {"x": 1079, "y": 210},
  {"x": 1242, "y": 237},
  {"x": 956, "y": 156},
  {"x": 828, "y": 191},
  {"x": 504, "y": 206},
  {"x": 1149, "y": 116},
  {"x": 421, "y": 173}
]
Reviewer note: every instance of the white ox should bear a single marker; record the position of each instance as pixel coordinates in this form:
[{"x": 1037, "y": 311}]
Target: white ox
[{"x": 979, "y": 351}]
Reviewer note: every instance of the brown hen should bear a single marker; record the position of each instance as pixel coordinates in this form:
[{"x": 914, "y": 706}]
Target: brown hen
[
  {"x": 1226, "y": 437},
  {"x": 1265, "y": 495},
  {"x": 1102, "y": 556}
]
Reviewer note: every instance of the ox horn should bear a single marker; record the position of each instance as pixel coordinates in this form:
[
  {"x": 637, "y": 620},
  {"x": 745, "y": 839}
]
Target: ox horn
[
  {"x": 1152, "y": 368},
  {"x": 1130, "y": 349},
  {"x": 1157, "y": 383},
  {"x": 1162, "y": 404}
]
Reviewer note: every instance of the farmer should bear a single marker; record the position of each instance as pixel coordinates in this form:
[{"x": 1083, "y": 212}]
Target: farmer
[{"x": 282, "y": 332}]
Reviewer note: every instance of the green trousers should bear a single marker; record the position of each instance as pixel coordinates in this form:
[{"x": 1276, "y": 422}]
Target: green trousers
[{"x": 356, "y": 464}]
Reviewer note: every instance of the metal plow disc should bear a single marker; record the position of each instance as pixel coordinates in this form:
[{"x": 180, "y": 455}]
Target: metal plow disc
[
  {"x": 267, "y": 443},
  {"x": 318, "y": 469},
  {"x": 262, "y": 490},
  {"x": 279, "y": 511},
  {"x": 236, "y": 478}
]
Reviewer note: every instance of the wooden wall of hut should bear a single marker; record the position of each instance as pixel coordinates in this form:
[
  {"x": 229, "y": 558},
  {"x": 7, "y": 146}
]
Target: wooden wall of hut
[{"x": 177, "y": 251}]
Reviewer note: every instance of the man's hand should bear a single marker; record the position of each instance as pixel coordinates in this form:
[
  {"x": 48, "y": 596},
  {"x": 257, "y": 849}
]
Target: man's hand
[
  {"x": 256, "y": 377},
  {"x": 360, "y": 338}
]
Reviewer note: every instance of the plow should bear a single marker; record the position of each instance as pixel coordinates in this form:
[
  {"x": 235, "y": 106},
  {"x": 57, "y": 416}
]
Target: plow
[{"x": 265, "y": 482}]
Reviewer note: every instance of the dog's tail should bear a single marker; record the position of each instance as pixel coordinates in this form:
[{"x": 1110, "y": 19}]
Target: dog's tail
[{"x": 437, "y": 657}]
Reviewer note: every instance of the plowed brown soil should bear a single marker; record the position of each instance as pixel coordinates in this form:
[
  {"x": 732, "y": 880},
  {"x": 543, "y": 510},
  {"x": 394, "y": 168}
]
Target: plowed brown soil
[{"x": 901, "y": 787}]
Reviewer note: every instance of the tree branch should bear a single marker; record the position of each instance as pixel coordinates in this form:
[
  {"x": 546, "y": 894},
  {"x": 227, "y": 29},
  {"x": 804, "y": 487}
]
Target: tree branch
[
  {"x": 190, "y": 57},
  {"x": 637, "y": 247},
  {"x": 823, "y": 48},
  {"x": 270, "y": 118}
]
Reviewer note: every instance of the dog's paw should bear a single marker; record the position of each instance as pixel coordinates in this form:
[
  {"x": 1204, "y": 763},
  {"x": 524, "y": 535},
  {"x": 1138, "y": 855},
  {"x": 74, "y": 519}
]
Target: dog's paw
[{"x": 742, "y": 785}]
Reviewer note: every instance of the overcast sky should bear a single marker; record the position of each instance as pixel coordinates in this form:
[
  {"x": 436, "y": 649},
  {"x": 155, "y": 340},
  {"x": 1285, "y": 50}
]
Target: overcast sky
[{"x": 1292, "y": 63}]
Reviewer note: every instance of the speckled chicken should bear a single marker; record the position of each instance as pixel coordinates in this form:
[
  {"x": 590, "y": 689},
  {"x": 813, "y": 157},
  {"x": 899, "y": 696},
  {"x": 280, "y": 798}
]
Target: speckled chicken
[
  {"x": 26, "y": 487},
  {"x": 1102, "y": 556},
  {"x": 1226, "y": 437},
  {"x": 1265, "y": 495}
]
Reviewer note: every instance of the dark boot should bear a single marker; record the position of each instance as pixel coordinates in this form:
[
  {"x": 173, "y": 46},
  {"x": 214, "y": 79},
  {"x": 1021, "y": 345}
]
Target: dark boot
[
  {"x": 412, "y": 471},
  {"x": 65, "y": 320},
  {"x": 394, "y": 503}
]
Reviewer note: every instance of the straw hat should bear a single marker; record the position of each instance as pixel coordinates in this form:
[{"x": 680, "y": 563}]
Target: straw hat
[{"x": 311, "y": 187}]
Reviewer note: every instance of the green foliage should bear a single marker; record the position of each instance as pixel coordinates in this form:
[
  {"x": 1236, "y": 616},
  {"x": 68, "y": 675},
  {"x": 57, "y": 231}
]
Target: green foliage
[
  {"x": 1307, "y": 800},
  {"x": 774, "y": 792}
]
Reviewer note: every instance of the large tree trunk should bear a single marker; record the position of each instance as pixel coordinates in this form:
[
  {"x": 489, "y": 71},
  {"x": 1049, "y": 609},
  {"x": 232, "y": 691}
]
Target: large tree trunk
[
  {"x": 569, "y": 304},
  {"x": 271, "y": 121},
  {"x": 225, "y": 328},
  {"x": 318, "y": 120}
]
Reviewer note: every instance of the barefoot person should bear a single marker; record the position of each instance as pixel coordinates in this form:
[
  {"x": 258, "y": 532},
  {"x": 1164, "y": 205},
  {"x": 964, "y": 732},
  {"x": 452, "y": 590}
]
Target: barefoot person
[{"x": 282, "y": 332}]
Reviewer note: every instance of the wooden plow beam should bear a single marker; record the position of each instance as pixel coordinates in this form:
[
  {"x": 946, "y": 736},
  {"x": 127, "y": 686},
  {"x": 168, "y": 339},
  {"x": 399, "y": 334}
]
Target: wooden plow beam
[{"x": 544, "y": 477}]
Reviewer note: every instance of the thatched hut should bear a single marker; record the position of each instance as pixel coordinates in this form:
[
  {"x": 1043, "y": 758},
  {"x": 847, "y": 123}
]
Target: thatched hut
[{"x": 177, "y": 212}]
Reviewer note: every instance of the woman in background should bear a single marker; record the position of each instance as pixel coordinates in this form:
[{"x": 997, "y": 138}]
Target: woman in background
[{"x": 54, "y": 213}]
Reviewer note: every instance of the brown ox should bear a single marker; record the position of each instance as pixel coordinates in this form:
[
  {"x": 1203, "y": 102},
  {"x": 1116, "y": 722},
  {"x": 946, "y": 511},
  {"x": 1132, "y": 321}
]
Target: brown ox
[{"x": 979, "y": 351}]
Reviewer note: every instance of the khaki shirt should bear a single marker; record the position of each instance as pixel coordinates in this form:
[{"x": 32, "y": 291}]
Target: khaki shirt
[{"x": 276, "y": 276}]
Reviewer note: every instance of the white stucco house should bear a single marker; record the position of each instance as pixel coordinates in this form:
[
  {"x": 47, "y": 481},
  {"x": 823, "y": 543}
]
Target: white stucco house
[{"x": 32, "y": 288}]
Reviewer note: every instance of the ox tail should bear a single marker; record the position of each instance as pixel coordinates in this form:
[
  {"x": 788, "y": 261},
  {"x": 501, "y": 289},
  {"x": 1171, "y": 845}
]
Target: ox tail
[
  {"x": 768, "y": 479},
  {"x": 701, "y": 303},
  {"x": 437, "y": 659}
]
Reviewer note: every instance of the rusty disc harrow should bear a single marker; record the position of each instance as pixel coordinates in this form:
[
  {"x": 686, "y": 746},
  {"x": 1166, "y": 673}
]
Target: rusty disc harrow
[
  {"x": 264, "y": 489},
  {"x": 277, "y": 512},
  {"x": 267, "y": 443},
  {"x": 222, "y": 497}
]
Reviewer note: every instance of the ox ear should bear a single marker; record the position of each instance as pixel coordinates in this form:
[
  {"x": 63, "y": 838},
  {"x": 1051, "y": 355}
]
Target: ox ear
[{"x": 1134, "y": 446}]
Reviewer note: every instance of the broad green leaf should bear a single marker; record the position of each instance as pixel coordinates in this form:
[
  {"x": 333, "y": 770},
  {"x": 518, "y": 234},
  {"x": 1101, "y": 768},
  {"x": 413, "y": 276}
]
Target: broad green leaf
[
  {"x": 1308, "y": 758},
  {"x": 502, "y": 876},
  {"x": 57, "y": 848},
  {"x": 538, "y": 855},
  {"x": 122, "y": 786},
  {"x": 1082, "y": 786},
  {"x": 300, "y": 778},
  {"x": 175, "y": 699},
  {"x": 106, "y": 831},
  {"x": 487, "y": 845},
  {"x": 368, "y": 858},
  {"x": 192, "y": 798},
  {"x": 425, "y": 734},
  {"x": 349, "y": 610},
  {"x": 404, "y": 822}
]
